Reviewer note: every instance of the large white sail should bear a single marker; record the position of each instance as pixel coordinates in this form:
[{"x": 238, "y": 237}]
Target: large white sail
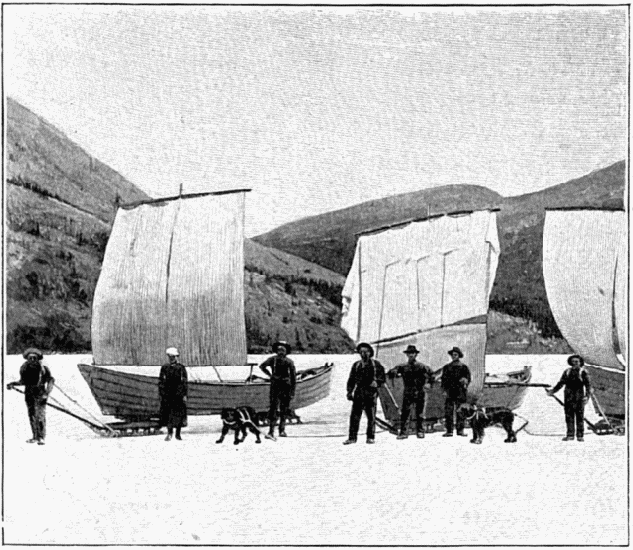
[
  {"x": 428, "y": 283},
  {"x": 621, "y": 305},
  {"x": 581, "y": 251},
  {"x": 172, "y": 275}
]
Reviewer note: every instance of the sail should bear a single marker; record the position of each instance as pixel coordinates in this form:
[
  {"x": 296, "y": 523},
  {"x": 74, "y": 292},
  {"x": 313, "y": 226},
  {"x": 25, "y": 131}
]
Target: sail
[
  {"x": 580, "y": 256},
  {"x": 621, "y": 303},
  {"x": 173, "y": 275},
  {"x": 426, "y": 282}
]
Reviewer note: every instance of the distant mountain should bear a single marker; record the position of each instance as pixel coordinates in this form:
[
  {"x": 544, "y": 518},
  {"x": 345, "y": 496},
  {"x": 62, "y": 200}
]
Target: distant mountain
[
  {"x": 330, "y": 239},
  {"x": 61, "y": 204}
]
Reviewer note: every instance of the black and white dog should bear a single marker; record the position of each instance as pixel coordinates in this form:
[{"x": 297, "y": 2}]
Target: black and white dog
[
  {"x": 480, "y": 419},
  {"x": 239, "y": 420}
]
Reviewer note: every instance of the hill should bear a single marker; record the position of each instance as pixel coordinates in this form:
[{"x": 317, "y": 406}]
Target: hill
[
  {"x": 330, "y": 239},
  {"x": 61, "y": 204}
]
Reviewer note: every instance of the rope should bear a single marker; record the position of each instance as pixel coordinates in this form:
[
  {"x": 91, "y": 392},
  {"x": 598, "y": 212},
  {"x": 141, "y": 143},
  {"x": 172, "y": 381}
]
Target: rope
[{"x": 97, "y": 420}]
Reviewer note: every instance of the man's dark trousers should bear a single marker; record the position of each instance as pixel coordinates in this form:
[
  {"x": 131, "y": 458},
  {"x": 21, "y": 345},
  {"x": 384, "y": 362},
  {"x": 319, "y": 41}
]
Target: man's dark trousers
[
  {"x": 36, "y": 407},
  {"x": 413, "y": 398},
  {"x": 364, "y": 400},
  {"x": 451, "y": 405},
  {"x": 575, "y": 412},
  {"x": 279, "y": 399}
]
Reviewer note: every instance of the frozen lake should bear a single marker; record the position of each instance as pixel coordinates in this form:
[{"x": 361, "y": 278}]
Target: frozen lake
[{"x": 309, "y": 489}]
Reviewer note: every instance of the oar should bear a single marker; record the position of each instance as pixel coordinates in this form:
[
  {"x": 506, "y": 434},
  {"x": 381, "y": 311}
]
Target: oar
[
  {"x": 523, "y": 384},
  {"x": 592, "y": 426}
]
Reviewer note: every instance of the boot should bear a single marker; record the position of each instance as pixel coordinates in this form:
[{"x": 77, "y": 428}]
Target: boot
[
  {"x": 349, "y": 441},
  {"x": 402, "y": 436},
  {"x": 271, "y": 435},
  {"x": 568, "y": 438}
]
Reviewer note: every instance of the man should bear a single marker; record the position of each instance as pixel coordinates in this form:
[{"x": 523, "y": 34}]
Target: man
[
  {"x": 172, "y": 389},
  {"x": 38, "y": 384},
  {"x": 283, "y": 381},
  {"x": 455, "y": 381},
  {"x": 366, "y": 376},
  {"x": 577, "y": 392},
  {"x": 417, "y": 379}
]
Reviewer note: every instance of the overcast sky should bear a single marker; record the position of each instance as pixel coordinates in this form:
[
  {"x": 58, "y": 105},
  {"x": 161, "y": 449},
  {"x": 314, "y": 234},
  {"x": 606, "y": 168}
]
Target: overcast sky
[{"x": 320, "y": 108}]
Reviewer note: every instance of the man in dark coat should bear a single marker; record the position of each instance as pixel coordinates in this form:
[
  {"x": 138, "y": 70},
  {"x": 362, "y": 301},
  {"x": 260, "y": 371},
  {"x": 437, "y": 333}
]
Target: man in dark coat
[
  {"x": 366, "y": 376},
  {"x": 172, "y": 389},
  {"x": 283, "y": 381},
  {"x": 417, "y": 378},
  {"x": 577, "y": 392},
  {"x": 38, "y": 383},
  {"x": 455, "y": 380}
]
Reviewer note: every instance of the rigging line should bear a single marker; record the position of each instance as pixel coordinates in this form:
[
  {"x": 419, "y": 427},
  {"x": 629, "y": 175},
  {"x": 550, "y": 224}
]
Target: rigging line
[
  {"x": 171, "y": 244},
  {"x": 80, "y": 406},
  {"x": 443, "y": 288}
]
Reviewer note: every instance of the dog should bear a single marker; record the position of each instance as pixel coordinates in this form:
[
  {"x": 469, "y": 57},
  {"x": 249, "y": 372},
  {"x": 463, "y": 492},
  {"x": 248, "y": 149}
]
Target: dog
[
  {"x": 239, "y": 420},
  {"x": 480, "y": 419}
]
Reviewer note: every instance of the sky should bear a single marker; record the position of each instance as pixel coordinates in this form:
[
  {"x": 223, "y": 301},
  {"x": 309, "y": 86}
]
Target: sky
[{"x": 316, "y": 109}]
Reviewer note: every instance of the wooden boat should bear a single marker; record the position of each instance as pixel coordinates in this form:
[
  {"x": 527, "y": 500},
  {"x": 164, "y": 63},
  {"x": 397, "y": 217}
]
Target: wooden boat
[
  {"x": 585, "y": 268},
  {"x": 134, "y": 396},
  {"x": 427, "y": 282},
  {"x": 173, "y": 275}
]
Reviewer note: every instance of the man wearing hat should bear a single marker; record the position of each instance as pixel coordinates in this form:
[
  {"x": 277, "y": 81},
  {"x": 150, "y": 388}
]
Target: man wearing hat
[
  {"x": 366, "y": 376},
  {"x": 455, "y": 380},
  {"x": 417, "y": 378},
  {"x": 577, "y": 392},
  {"x": 38, "y": 384},
  {"x": 283, "y": 381},
  {"x": 172, "y": 389}
]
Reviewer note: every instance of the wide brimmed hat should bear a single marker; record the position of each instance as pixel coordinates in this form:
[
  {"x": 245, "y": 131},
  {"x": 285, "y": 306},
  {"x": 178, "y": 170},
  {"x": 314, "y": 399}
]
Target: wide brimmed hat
[
  {"x": 457, "y": 351},
  {"x": 33, "y": 351},
  {"x": 284, "y": 345},
  {"x": 582, "y": 361},
  {"x": 172, "y": 351},
  {"x": 411, "y": 349},
  {"x": 367, "y": 346}
]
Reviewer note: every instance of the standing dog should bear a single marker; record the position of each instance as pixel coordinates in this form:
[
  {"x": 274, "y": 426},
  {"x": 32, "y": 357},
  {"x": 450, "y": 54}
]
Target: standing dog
[
  {"x": 239, "y": 420},
  {"x": 481, "y": 419}
]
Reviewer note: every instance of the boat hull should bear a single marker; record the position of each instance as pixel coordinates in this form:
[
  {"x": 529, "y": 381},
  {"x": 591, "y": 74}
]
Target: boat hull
[
  {"x": 132, "y": 396},
  {"x": 609, "y": 387},
  {"x": 495, "y": 395}
]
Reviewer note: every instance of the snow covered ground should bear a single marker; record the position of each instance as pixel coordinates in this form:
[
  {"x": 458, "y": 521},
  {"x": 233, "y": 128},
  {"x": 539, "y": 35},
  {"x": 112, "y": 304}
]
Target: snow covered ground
[{"x": 309, "y": 489}]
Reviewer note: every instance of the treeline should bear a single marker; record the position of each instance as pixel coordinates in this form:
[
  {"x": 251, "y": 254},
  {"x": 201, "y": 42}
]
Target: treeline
[
  {"x": 529, "y": 308},
  {"x": 59, "y": 333},
  {"x": 330, "y": 291}
]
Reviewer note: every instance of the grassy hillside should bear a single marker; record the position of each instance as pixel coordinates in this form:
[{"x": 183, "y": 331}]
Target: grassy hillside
[
  {"x": 61, "y": 204},
  {"x": 330, "y": 239}
]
